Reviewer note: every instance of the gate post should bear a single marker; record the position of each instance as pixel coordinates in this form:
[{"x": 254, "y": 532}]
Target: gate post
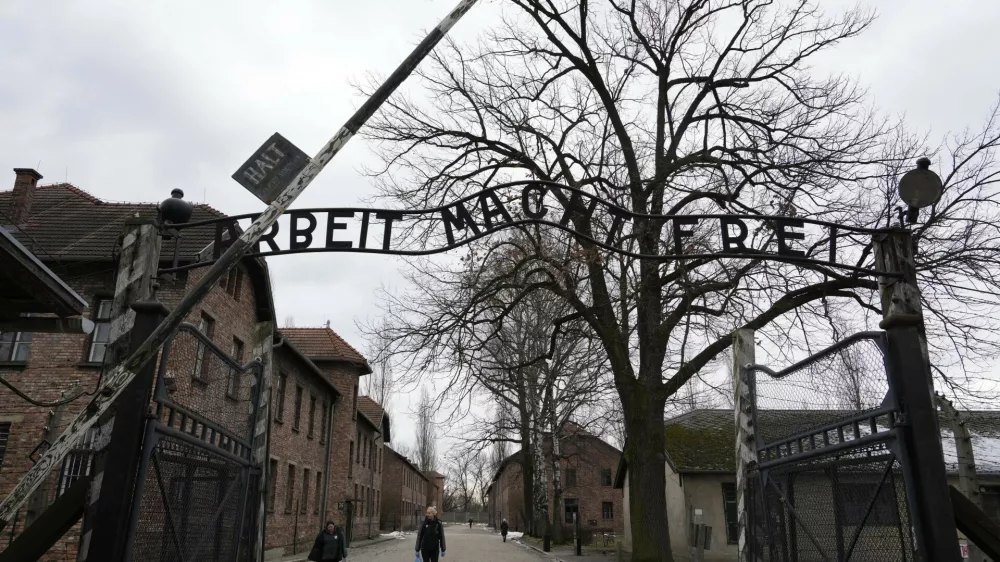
[
  {"x": 743, "y": 355},
  {"x": 262, "y": 350},
  {"x": 908, "y": 367},
  {"x": 137, "y": 263},
  {"x": 115, "y": 504}
]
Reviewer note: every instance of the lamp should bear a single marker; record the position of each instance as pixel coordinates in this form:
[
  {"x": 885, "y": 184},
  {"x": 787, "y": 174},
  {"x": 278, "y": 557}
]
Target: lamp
[{"x": 919, "y": 188}]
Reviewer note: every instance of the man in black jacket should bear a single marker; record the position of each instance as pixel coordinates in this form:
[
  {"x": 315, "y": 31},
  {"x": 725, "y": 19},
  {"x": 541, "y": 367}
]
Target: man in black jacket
[
  {"x": 330, "y": 545},
  {"x": 430, "y": 538}
]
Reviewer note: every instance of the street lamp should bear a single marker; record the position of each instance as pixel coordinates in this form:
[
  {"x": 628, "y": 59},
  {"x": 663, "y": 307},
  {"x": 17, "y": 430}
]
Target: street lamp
[{"x": 919, "y": 188}]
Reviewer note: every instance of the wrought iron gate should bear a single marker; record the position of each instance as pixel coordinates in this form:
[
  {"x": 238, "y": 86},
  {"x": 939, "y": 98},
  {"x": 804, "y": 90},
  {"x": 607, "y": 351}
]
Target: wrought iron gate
[
  {"x": 829, "y": 478},
  {"x": 194, "y": 500}
]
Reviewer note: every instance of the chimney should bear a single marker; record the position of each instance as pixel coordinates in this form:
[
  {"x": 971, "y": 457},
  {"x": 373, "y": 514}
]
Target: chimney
[{"x": 25, "y": 182}]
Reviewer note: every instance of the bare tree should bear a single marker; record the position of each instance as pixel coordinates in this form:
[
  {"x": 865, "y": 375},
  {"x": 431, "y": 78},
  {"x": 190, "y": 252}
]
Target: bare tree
[
  {"x": 381, "y": 383},
  {"x": 680, "y": 107},
  {"x": 426, "y": 450}
]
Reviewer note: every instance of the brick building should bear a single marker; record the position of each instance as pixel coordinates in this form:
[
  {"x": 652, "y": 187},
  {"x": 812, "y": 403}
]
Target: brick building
[
  {"x": 303, "y": 400},
  {"x": 314, "y": 376},
  {"x": 365, "y": 474},
  {"x": 404, "y": 493},
  {"x": 343, "y": 366},
  {"x": 587, "y": 465},
  {"x": 435, "y": 489},
  {"x": 78, "y": 236}
]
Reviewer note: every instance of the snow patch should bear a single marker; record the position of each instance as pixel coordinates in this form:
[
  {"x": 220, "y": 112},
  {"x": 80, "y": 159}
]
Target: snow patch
[
  {"x": 395, "y": 535},
  {"x": 514, "y": 535}
]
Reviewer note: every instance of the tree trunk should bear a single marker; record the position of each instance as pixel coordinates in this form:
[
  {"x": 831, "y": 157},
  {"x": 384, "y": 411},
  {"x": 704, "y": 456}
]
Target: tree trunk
[
  {"x": 646, "y": 459},
  {"x": 540, "y": 502},
  {"x": 557, "y": 535},
  {"x": 527, "y": 474}
]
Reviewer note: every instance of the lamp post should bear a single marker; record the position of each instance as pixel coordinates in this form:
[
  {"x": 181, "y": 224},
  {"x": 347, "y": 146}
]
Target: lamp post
[
  {"x": 908, "y": 368},
  {"x": 919, "y": 188}
]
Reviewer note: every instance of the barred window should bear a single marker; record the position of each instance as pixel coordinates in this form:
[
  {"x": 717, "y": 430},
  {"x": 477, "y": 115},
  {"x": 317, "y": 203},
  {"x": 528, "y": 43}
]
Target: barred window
[{"x": 15, "y": 346}]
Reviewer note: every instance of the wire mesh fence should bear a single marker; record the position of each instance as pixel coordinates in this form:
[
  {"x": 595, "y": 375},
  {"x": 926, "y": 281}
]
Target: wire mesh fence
[
  {"x": 846, "y": 380},
  {"x": 198, "y": 480},
  {"x": 190, "y": 508},
  {"x": 826, "y": 484}
]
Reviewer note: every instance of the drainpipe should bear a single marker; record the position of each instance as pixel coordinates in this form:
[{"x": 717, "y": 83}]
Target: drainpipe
[
  {"x": 371, "y": 487},
  {"x": 329, "y": 452}
]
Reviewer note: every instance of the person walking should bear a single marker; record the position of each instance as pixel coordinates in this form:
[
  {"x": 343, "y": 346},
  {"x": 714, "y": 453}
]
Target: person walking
[
  {"x": 330, "y": 545},
  {"x": 430, "y": 537},
  {"x": 503, "y": 529},
  {"x": 470, "y": 522}
]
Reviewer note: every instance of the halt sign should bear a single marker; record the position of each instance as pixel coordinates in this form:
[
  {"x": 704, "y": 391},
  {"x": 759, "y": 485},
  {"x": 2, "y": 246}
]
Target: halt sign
[{"x": 271, "y": 168}]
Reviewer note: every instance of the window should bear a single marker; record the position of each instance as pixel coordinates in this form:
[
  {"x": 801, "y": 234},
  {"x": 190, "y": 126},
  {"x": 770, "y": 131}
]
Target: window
[
  {"x": 350, "y": 462},
  {"x": 572, "y": 508},
  {"x": 729, "y": 509},
  {"x": 4, "y": 437},
  {"x": 357, "y": 459},
  {"x": 207, "y": 327},
  {"x": 290, "y": 489},
  {"x": 101, "y": 336},
  {"x": 279, "y": 410},
  {"x": 364, "y": 453},
  {"x": 233, "y": 388},
  {"x": 322, "y": 429},
  {"x": 79, "y": 461},
  {"x": 233, "y": 283},
  {"x": 380, "y": 461},
  {"x": 855, "y": 497},
  {"x": 319, "y": 492},
  {"x": 605, "y": 477},
  {"x": 304, "y": 500},
  {"x": 272, "y": 476},
  {"x": 378, "y": 501},
  {"x": 15, "y": 346},
  {"x": 608, "y": 510},
  {"x": 364, "y": 500},
  {"x": 571, "y": 478},
  {"x": 298, "y": 407},
  {"x": 355, "y": 499},
  {"x": 312, "y": 415}
]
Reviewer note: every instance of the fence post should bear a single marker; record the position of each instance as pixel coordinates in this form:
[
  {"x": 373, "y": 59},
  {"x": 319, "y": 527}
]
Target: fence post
[
  {"x": 968, "y": 480},
  {"x": 910, "y": 377},
  {"x": 743, "y": 355}
]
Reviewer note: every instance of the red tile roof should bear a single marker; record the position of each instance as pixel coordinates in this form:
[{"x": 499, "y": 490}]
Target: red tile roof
[
  {"x": 371, "y": 408},
  {"x": 323, "y": 343},
  {"x": 67, "y": 223}
]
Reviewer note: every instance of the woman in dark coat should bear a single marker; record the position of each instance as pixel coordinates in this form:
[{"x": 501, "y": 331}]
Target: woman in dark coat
[
  {"x": 330, "y": 545},
  {"x": 503, "y": 529},
  {"x": 430, "y": 538}
]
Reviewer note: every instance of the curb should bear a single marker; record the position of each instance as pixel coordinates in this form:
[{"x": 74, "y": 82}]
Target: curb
[{"x": 538, "y": 550}]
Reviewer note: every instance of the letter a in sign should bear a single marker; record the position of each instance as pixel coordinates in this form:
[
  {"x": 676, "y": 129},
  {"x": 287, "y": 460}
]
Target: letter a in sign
[{"x": 271, "y": 168}]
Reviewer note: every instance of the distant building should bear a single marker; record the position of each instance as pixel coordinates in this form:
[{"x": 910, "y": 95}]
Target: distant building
[
  {"x": 404, "y": 493},
  {"x": 435, "y": 489},
  {"x": 587, "y": 469},
  {"x": 369, "y": 466}
]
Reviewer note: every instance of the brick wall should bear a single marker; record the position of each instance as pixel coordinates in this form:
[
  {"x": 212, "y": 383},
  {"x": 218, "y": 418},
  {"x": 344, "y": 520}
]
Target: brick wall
[
  {"x": 300, "y": 451},
  {"x": 345, "y": 377},
  {"x": 367, "y": 478},
  {"x": 404, "y": 493}
]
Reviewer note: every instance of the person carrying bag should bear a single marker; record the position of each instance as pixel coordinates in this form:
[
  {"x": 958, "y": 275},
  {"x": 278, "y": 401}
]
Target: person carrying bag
[
  {"x": 430, "y": 538},
  {"x": 330, "y": 545}
]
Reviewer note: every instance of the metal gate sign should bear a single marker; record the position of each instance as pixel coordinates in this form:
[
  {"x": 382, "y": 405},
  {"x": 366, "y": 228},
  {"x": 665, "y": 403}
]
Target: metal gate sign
[{"x": 271, "y": 168}]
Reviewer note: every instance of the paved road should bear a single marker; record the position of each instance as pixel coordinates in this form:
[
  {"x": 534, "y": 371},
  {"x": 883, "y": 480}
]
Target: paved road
[{"x": 464, "y": 545}]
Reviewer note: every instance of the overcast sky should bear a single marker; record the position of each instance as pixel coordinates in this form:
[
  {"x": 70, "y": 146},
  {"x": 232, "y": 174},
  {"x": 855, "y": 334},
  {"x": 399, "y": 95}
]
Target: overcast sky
[{"x": 128, "y": 100}]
